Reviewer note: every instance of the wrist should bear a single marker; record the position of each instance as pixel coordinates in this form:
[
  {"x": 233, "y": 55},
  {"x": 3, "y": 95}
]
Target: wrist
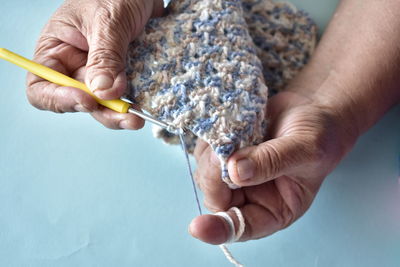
[
  {"x": 357, "y": 96},
  {"x": 354, "y": 70}
]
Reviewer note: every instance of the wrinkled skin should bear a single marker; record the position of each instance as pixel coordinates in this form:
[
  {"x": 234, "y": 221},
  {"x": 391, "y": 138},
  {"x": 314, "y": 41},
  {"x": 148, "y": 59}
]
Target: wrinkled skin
[
  {"x": 88, "y": 40},
  {"x": 306, "y": 144},
  {"x": 344, "y": 90},
  {"x": 341, "y": 93}
]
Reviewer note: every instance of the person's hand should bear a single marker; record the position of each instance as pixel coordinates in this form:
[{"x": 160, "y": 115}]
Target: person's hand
[
  {"x": 344, "y": 90},
  {"x": 88, "y": 40},
  {"x": 279, "y": 177}
]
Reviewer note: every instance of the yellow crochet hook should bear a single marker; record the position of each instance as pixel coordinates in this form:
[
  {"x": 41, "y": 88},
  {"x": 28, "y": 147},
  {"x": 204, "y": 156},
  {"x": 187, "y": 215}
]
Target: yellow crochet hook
[{"x": 56, "y": 77}]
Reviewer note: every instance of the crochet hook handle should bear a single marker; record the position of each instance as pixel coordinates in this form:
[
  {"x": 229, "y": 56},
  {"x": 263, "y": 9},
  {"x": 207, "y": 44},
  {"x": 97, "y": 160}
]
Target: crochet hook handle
[{"x": 56, "y": 77}]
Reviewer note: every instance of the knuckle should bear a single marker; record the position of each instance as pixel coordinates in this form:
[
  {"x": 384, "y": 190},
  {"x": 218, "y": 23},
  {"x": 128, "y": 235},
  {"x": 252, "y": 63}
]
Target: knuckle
[
  {"x": 32, "y": 98},
  {"x": 113, "y": 19},
  {"x": 116, "y": 23},
  {"x": 285, "y": 217},
  {"x": 214, "y": 206},
  {"x": 209, "y": 206},
  {"x": 105, "y": 11},
  {"x": 46, "y": 45},
  {"x": 124, "y": 13},
  {"x": 314, "y": 148},
  {"x": 58, "y": 109},
  {"x": 269, "y": 160},
  {"x": 48, "y": 101},
  {"x": 281, "y": 214},
  {"x": 111, "y": 11},
  {"x": 290, "y": 209},
  {"x": 43, "y": 99},
  {"x": 107, "y": 18}
]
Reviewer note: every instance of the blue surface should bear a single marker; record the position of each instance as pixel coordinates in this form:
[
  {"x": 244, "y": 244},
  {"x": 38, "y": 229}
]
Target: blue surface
[{"x": 66, "y": 202}]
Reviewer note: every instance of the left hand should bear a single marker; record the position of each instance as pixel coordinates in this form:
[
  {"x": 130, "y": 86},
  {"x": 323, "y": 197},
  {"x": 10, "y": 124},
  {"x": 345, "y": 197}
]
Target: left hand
[
  {"x": 88, "y": 40},
  {"x": 279, "y": 177}
]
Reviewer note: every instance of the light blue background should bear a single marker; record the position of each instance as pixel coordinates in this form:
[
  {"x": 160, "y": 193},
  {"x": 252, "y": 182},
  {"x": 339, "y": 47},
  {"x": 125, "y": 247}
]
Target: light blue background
[{"x": 73, "y": 193}]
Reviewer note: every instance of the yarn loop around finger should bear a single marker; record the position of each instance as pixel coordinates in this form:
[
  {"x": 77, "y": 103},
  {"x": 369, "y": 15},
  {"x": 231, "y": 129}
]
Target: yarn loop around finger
[{"x": 233, "y": 234}]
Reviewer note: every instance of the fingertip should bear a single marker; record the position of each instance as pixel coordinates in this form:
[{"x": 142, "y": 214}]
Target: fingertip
[
  {"x": 210, "y": 229},
  {"x": 131, "y": 123}
]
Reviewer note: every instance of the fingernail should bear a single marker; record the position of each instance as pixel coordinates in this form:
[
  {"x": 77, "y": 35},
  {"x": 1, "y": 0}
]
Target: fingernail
[
  {"x": 124, "y": 124},
  {"x": 101, "y": 82},
  {"x": 214, "y": 159},
  {"x": 80, "y": 108},
  {"x": 245, "y": 169}
]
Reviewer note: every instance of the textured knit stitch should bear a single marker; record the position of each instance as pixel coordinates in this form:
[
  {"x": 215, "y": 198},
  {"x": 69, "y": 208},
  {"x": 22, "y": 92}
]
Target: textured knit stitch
[
  {"x": 284, "y": 38},
  {"x": 199, "y": 68}
]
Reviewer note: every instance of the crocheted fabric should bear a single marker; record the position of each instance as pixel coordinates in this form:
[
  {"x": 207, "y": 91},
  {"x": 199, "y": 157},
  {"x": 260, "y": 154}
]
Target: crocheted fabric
[
  {"x": 284, "y": 38},
  {"x": 199, "y": 68}
]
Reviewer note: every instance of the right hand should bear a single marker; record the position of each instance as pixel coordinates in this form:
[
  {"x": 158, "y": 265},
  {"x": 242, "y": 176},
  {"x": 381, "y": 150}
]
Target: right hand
[
  {"x": 280, "y": 177},
  {"x": 88, "y": 40}
]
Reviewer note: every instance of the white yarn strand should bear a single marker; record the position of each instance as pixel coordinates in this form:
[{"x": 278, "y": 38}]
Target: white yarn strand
[
  {"x": 228, "y": 219},
  {"x": 229, "y": 256},
  {"x": 242, "y": 223},
  {"x": 234, "y": 236}
]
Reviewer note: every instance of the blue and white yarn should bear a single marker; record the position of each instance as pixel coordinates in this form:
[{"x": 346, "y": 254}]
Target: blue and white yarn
[
  {"x": 284, "y": 38},
  {"x": 198, "y": 68}
]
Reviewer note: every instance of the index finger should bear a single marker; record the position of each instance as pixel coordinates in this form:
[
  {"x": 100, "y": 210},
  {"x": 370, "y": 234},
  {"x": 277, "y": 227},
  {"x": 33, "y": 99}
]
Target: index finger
[
  {"x": 259, "y": 221},
  {"x": 45, "y": 95},
  {"x": 217, "y": 195}
]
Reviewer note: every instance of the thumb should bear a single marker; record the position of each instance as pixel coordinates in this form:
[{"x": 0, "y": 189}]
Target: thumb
[
  {"x": 269, "y": 160},
  {"x": 105, "y": 68}
]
